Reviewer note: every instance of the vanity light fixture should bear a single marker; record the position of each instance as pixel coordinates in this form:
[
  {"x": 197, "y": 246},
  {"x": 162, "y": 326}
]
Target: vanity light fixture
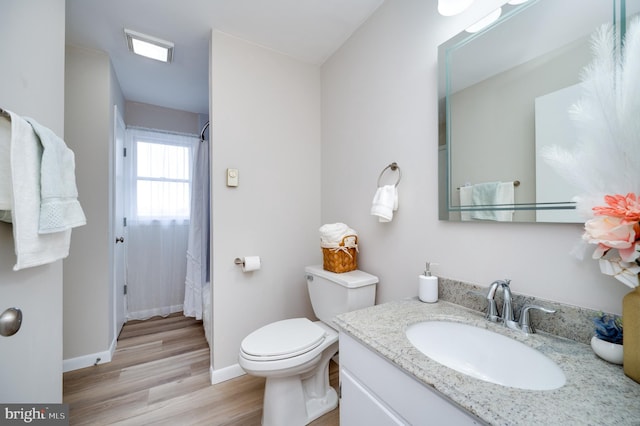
[
  {"x": 485, "y": 22},
  {"x": 453, "y": 7},
  {"x": 149, "y": 46}
]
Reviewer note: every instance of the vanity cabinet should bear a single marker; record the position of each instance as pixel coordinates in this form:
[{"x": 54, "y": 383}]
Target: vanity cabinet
[{"x": 377, "y": 393}]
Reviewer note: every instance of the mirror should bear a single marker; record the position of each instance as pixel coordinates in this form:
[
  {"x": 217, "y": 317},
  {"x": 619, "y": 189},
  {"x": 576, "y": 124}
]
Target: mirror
[{"x": 504, "y": 93}]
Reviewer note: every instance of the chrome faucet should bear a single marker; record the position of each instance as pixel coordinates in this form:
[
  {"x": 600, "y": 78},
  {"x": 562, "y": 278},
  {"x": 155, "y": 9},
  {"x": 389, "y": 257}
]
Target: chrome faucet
[
  {"x": 492, "y": 308},
  {"x": 508, "y": 317}
]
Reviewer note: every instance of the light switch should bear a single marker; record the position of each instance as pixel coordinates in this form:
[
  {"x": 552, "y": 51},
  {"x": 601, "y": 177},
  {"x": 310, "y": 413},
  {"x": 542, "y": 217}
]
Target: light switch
[{"x": 232, "y": 177}]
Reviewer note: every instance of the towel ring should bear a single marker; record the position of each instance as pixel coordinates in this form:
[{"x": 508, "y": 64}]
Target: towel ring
[{"x": 393, "y": 166}]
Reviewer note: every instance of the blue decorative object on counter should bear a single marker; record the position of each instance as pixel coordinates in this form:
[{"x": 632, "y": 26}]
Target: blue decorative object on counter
[{"x": 608, "y": 328}]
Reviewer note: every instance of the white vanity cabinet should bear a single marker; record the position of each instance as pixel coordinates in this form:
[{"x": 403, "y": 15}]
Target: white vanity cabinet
[{"x": 374, "y": 392}]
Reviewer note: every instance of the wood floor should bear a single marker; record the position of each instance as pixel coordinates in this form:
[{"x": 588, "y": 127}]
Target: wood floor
[{"x": 159, "y": 375}]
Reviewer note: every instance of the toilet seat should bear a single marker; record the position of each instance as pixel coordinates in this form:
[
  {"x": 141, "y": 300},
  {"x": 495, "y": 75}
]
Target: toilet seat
[{"x": 282, "y": 339}]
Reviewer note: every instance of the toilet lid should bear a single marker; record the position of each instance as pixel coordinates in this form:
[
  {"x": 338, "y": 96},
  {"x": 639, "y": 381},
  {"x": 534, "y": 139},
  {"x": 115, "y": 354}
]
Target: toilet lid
[{"x": 283, "y": 339}]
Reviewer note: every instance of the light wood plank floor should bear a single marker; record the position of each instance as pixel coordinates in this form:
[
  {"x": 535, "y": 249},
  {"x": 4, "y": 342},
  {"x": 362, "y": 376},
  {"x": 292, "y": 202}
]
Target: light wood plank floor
[{"x": 159, "y": 375}]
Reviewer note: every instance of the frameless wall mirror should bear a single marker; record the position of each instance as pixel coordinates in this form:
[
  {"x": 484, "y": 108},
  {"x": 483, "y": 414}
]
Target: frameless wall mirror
[{"x": 504, "y": 93}]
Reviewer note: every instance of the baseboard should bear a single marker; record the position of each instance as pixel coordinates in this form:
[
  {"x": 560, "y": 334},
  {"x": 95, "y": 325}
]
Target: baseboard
[
  {"x": 224, "y": 374},
  {"x": 89, "y": 360}
]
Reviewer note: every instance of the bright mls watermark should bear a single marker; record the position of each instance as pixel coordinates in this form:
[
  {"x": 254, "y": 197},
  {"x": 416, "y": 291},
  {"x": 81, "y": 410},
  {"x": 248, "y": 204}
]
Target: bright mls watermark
[{"x": 36, "y": 414}]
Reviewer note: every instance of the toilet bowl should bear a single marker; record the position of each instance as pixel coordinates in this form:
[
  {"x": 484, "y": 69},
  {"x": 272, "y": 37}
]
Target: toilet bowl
[
  {"x": 293, "y": 354},
  {"x": 296, "y": 364}
]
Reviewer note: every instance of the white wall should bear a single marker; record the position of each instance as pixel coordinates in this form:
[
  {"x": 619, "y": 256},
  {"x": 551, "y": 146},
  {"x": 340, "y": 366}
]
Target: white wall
[
  {"x": 379, "y": 104},
  {"x": 266, "y": 123},
  {"x": 32, "y": 84},
  {"x": 138, "y": 114},
  {"x": 91, "y": 91}
]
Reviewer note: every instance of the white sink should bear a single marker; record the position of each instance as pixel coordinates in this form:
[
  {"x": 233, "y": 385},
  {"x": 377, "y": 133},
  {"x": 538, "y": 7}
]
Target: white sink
[{"x": 485, "y": 355}]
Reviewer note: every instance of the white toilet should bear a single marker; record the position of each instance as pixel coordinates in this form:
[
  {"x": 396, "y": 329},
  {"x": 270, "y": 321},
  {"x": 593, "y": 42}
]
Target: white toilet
[{"x": 294, "y": 354}]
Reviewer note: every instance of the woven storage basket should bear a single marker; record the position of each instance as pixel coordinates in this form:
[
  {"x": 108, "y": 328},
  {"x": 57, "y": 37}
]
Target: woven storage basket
[{"x": 342, "y": 259}]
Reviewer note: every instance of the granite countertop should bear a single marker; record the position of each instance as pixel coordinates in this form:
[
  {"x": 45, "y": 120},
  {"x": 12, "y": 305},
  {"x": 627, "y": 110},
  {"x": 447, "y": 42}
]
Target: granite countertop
[{"x": 596, "y": 392}]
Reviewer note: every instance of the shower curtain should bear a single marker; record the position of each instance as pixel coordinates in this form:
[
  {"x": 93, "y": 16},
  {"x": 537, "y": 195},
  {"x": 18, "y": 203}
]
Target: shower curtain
[
  {"x": 157, "y": 221},
  {"x": 197, "y": 277}
]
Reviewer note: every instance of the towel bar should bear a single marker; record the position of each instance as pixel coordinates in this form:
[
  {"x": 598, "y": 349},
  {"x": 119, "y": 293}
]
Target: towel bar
[
  {"x": 393, "y": 166},
  {"x": 516, "y": 183}
]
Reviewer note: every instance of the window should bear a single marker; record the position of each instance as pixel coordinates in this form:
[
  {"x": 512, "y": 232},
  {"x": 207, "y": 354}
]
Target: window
[{"x": 161, "y": 175}]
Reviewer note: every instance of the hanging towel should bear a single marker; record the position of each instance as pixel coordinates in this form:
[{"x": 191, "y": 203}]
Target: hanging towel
[
  {"x": 59, "y": 206},
  {"x": 6, "y": 194},
  {"x": 505, "y": 195},
  {"x": 493, "y": 194},
  {"x": 385, "y": 202},
  {"x": 31, "y": 248},
  {"x": 466, "y": 200}
]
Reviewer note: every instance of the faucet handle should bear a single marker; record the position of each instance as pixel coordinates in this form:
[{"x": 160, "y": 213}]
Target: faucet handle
[{"x": 525, "y": 322}]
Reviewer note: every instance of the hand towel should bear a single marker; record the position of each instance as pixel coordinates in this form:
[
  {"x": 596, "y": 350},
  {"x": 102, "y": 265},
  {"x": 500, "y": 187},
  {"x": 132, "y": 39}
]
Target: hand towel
[
  {"x": 385, "y": 202},
  {"x": 6, "y": 195},
  {"x": 466, "y": 200},
  {"x": 505, "y": 196},
  {"x": 31, "y": 248},
  {"x": 494, "y": 194},
  {"x": 59, "y": 206}
]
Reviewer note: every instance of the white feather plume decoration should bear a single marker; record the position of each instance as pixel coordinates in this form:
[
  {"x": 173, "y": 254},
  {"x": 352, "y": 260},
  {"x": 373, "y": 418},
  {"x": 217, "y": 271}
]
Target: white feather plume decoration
[{"x": 606, "y": 156}]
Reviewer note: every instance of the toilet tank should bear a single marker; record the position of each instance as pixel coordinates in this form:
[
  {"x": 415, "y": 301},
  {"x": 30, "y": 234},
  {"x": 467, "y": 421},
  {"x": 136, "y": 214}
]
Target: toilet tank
[{"x": 332, "y": 294}]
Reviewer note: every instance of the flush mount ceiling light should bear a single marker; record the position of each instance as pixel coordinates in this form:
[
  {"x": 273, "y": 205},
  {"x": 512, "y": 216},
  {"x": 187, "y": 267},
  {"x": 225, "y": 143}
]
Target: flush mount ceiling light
[
  {"x": 453, "y": 7},
  {"x": 149, "y": 46}
]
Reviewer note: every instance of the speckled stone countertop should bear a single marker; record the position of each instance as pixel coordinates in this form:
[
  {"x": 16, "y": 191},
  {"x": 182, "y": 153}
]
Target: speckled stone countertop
[{"x": 596, "y": 392}]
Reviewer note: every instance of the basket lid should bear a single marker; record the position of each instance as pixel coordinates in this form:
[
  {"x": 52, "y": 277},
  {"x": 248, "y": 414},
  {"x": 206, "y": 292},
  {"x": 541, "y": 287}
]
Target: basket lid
[{"x": 351, "y": 279}]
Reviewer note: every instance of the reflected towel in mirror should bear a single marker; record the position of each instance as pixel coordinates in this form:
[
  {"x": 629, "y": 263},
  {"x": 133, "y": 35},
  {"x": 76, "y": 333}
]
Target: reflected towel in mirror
[
  {"x": 493, "y": 194},
  {"x": 487, "y": 194}
]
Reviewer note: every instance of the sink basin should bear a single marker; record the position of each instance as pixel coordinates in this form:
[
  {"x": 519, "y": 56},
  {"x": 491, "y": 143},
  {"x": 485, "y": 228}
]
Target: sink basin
[{"x": 485, "y": 355}]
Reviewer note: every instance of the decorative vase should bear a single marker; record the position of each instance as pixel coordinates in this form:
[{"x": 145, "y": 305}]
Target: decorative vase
[
  {"x": 608, "y": 351},
  {"x": 631, "y": 327}
]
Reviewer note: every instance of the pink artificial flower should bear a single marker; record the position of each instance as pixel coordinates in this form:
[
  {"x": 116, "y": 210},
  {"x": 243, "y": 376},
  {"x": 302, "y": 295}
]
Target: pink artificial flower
[
  {"x": 625, "y": 207},
  {"x": 612, "y": 233}
]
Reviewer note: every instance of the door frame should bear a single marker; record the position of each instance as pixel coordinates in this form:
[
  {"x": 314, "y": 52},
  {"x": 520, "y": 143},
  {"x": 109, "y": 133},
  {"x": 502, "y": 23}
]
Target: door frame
[{"x": 119, "y": 299}]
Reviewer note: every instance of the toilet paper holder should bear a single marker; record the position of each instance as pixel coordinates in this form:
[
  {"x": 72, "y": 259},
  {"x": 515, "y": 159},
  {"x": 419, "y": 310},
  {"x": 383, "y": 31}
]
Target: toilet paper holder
[{"x": 248, "y": 263}]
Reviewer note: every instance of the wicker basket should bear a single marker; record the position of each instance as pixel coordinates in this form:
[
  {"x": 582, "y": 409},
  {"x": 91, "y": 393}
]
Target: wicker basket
[{"x": 341, "y": 259}]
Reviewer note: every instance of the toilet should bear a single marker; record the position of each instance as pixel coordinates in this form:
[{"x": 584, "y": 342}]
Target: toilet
[{"x": 293, "y": 354}]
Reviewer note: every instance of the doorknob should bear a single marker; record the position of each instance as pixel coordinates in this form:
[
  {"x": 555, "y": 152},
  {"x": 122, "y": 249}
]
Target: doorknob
[
  {"x": 10, "y": 322},
  {"x": 120, "y": 240}
]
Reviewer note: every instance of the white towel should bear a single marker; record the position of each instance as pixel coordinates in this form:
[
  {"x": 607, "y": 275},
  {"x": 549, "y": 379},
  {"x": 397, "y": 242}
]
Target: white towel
[
  {"x": 466, "y": 200},
  {"x": 31, "y": 248},
  {"x": 59, "y": 206},
  {"x": 505, "y": 195},
  {"x": 494, "y": 194},
  {"x": 385, "y": 202},
  {"x": 331, "y": 234},
  {"x": 6, "y": 194}
]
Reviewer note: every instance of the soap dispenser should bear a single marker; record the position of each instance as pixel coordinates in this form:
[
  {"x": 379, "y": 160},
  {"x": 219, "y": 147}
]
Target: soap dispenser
[{"x": 428, "y": 285}]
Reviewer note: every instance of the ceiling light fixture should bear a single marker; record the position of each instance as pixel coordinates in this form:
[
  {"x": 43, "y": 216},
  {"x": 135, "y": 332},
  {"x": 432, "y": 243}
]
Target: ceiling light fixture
[
  {"x": 453, "y": 7},
  {"x": 149, "y": 46}
]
